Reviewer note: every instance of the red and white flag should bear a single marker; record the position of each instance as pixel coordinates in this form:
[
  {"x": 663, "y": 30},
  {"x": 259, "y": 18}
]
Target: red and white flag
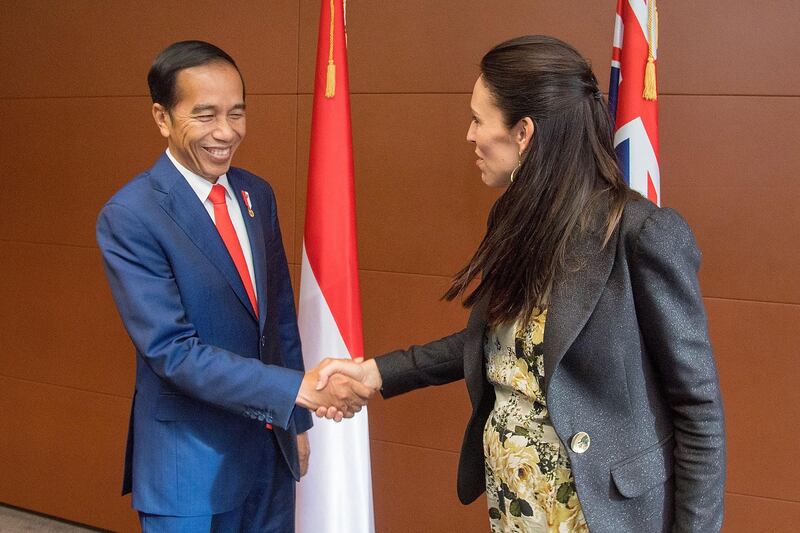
[
  {"x": 336, "y": 494},
  {"x": 632, "y": 95}
]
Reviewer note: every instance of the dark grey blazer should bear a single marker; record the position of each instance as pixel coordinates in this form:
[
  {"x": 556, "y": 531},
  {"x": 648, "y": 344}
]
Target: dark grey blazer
[{"x": 627, "y": 361}]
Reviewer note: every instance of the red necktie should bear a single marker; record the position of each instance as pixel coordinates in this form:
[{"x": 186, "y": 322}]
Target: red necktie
[{"x": 225, "y": 227}]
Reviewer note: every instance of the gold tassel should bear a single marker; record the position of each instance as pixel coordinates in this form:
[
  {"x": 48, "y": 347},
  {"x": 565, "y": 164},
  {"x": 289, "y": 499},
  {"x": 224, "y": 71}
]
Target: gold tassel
[
  {"x": 650, "y": 92},
  {"x": 330, "y": 81},
  {"x": 650, "y": 80},
  {"x": 330, "y": 85}
]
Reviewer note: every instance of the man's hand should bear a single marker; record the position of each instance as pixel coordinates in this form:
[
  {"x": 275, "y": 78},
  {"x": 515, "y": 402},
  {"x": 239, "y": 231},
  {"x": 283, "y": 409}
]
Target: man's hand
[
  {"x": 342, "y": 394},
  {"x": 367, "y": 373},
  {"x": 303, "y": 452}
]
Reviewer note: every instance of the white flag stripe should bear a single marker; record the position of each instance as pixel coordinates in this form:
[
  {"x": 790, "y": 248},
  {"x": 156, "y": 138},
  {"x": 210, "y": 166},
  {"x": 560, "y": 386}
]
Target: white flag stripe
[
  {"x": 336, "y": 494},
  {"x": 318, "y": 331},
  {"x": 642, "y": 159}
]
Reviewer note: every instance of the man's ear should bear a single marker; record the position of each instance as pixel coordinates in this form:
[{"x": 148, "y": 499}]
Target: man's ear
[
  {"x": 163, "y": 119},
  {"x": 524, "y": 133}
]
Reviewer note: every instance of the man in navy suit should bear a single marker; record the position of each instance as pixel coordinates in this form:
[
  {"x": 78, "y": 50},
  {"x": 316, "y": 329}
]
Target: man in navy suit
[{"x": 193, "y": 254}]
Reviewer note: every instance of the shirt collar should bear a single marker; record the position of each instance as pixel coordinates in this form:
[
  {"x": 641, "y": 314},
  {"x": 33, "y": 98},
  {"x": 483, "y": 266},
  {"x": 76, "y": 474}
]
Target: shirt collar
[{"x": 200, "y": 185}]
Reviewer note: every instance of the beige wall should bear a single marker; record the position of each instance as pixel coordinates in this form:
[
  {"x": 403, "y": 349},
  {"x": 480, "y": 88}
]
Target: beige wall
[{"x": 76, "y": 126}]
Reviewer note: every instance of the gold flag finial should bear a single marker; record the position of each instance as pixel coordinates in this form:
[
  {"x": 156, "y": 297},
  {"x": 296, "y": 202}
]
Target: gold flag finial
[
  {"x": 650, "y": 92},
  {"x": 330, "y": 85}
]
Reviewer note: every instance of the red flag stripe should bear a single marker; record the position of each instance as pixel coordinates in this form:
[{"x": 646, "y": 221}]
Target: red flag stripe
[
  {"x": 330, "y": 227},
  {"x": 636, "y": 118},
  {"x": 633, "y": 59}
]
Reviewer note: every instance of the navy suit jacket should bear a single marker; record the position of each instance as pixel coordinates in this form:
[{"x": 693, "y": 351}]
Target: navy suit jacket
[{"x": 209, "y": 374}]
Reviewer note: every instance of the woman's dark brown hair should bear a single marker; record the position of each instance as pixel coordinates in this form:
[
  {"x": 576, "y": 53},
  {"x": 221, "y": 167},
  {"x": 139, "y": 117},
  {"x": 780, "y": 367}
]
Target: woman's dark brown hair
[{"x": 568, "y": 183}]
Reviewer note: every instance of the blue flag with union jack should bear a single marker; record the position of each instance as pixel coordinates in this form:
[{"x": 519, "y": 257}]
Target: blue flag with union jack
[{"x": 631, "y": 95}]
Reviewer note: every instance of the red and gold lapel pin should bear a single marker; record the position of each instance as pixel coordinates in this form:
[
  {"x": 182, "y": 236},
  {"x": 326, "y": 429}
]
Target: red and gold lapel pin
[{"x": 246, "y": 198}]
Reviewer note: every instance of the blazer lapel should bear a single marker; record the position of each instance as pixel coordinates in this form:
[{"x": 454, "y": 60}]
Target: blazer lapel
[
  {"x": 473, "y": 351},
  {"x": 255, "y": 232},
  {"x": 185, "y": 208},
  {"x": 575, "y": 297}
]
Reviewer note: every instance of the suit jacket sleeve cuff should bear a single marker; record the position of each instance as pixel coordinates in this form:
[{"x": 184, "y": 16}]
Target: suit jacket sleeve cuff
[{"x": 282, "y": 407}]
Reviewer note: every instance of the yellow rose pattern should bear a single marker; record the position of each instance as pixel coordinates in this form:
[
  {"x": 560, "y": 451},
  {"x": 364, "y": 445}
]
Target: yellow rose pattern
[{"x": 529, "y": 483}]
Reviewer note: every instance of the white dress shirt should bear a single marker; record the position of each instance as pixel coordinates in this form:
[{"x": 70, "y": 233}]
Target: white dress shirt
[{"x": 202, "y": 188}]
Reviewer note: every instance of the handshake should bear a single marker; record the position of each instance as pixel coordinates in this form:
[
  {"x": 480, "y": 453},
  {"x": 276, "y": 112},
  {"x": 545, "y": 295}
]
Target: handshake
[{"x": 339, "y": 388}]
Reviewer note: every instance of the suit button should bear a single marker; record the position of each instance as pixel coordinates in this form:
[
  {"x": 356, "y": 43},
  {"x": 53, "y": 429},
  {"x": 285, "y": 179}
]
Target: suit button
[
  {"x": 580, "y": 442},
  {"x": 263, "y": 341}
]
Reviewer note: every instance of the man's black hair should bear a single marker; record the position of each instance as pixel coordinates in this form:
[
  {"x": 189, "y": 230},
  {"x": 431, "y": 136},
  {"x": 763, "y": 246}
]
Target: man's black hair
[{"x": 177, "y": 57}]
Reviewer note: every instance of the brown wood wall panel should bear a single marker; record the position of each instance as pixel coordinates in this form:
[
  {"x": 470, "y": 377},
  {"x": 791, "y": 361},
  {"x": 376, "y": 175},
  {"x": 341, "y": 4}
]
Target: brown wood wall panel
[
  {"x": 745, "y": 254},
  {"x": 64, "y": 158},
  {"x": 400, "y": 310},
  {"x": 727, "y": 142},
  {"x": 756, "y": 349},
  {"x": 432, "y": 418},
  {"x": 96, "y": 48},
  {"x": 303, "y": 136},
  {"x": 406, "y": 48},
  {"x": 736, "y": 47},
  {"x": 748, "y": 514},
  {"x": 60, "y": 325},
  {"x": 77, "y": 126},
  {"x": 61, "y": 453},
  {"x": 62, "y": 172},
  {"x": 419, "y": 46},
  {"x": 726, "y": 162},
  {"x": 415, "y": 490},
  {"x": 421, "y": 204}
]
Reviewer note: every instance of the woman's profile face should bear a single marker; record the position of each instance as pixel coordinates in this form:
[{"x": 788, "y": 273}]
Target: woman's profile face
[{"x": 495, "y": 144}]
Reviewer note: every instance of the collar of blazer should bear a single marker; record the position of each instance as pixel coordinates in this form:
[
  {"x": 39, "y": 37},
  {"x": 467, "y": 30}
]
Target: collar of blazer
[
  {"x": 574, "y": 298},
  {"x": 182, "y": 205}
]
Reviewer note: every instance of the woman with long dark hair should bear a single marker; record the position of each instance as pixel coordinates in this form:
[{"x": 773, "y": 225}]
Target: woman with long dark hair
[{"x": 595, "y": 397}]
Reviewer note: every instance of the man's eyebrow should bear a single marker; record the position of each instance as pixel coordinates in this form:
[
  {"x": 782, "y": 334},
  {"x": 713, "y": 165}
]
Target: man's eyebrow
[{"x": 202, "y": 107}]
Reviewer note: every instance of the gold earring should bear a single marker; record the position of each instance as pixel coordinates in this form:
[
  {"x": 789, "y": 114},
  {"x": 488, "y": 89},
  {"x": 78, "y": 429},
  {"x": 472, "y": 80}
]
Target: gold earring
[{"x": 516, "y": 169}]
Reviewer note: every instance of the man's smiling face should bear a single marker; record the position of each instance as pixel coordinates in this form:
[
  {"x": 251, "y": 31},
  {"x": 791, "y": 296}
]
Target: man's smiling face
[{"x": 207, "y": 124}]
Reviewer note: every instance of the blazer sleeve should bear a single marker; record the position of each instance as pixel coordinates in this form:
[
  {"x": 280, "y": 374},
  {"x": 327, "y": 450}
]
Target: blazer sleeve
[
  {"x": 149, "y": 302},
  {"x": 435, "y": 363},
  {"x": 287, "y": 315},
  {"x": 672, "y": 319}
]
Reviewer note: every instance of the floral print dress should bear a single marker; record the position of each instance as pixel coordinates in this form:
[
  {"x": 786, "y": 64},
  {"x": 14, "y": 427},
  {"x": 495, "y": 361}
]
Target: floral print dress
[{"x": 529, "y": 483}]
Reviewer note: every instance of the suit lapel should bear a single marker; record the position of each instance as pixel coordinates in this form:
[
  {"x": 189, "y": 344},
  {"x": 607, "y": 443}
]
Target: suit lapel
[
  {"x": 473, "y": 351},
  {"x": 185, "y": 208},
  {"x": 255, "y": 233},
  {"x": 575, "y": 297}
]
